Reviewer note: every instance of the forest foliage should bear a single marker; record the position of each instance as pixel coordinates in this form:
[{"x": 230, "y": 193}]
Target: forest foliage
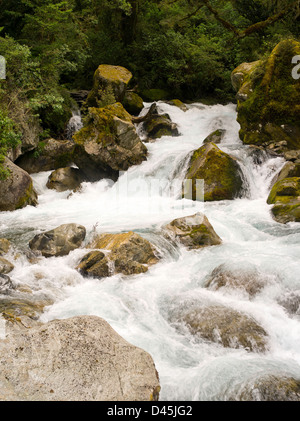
[{"x": 187, "y": 47}]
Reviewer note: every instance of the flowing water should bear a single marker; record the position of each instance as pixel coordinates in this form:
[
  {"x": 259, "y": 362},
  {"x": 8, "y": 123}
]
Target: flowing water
[{"x": 139, "y": 307}]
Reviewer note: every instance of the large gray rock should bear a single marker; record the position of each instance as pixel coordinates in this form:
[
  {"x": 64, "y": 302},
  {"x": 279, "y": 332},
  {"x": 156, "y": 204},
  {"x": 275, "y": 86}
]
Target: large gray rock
[
  {"x": 64, "y": 179},
  {"x": 59, "y": 241},
  {"x": 220, "y": 324},
  {"x": 50, "y": 154},
  {"x": 17, "y": 190},
  {"x": 78, "y": 359},
  {"x": 193, "y": 231}
]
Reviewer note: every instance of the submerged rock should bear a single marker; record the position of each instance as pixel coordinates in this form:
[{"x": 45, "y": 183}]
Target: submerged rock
[
  {"x": 6, "y": 284},
  {"x": 221, "y": 174},
  {"x": 4, "y": 246},
  {"x": 5, "y": 266},
  {"x": 64, "y": 179},
  {"x": 246, "y": 279},
  {"x": 193, "y": 231},
  {"x": 223, "y": 325},
  {"x": 268, "y": 100},
  {"x": 50, "y": 154},
  {"x": 129, "y": 252},
  {"x": 215, "y": 137},
  {"x": 110, "y": 83},
  {"x": 285, "y": 195},
  {"x": 59, "y": 241},
  {"x": 108, "y": 143},
  {"x": 16, "y": 191},
  {"x": 291, "y": 302},
  {"x": 271, "y": 388},
  {"x": 77, "y": 359},
  {"x": 177, "y": 103}
]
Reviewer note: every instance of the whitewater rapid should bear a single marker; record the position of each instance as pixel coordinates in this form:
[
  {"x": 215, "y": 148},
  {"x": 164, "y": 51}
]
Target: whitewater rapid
[{"x": 138, "y": 307}]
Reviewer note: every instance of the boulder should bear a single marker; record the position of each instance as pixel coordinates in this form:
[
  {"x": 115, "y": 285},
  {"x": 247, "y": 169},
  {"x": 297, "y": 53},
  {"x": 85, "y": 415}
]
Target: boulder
[
  {"x": 268, "y": 100},
  {"x": 16, "y": 191},
  {"x": 110, "y": 83},
  {"x": 215, "y": 137},
  {"x": 59, "y": 241},
  {"x": 133, "y": 103},
  {"x": 290, "y": 169},
  {"x": 292, "y": 155},
  {"x": 77, "y": 359},
  {"x": 50, "y": 154},
  {"x": 108, "y": 143},
  {"x": 64, "y": 179},
  {"x": 221, "y": 174},
  {"x": 193, "y": 231},
  {"x": 290, "y": 301},
  {"x": 5, "y": 266},
  {"x": 230, "y": 276},
  {"x": 129, "y": 252},
  {"x": 271, "y": 388},
  {"x": 94, "y": 264},
  {"x": 4, "y": 246},
  {"x": 6, "y": 284},
  {"x": 223, "y": 325},
  {"x": 285, "y": 195},
  {"x": 159, "y": 125}
]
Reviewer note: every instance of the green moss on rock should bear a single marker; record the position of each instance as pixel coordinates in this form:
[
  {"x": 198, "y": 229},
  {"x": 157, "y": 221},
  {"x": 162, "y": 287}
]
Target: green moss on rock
[
  {"x": 269, "y": 99},
  {"x": 221, "y": 174}
]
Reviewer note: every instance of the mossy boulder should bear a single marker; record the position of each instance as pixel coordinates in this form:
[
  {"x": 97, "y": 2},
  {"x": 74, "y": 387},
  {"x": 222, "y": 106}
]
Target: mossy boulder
[
  {"x": 64, "y": 179},
  {"x": 221, "y": 174},
  {"x": 108, "y": 143},
  {"x": 110, "y": 83},
  {"x": 17, "y": 190},
  {"x": 193, "y": 231},
  {"x": 155, "y": 94},
  {"x": 268, "y": 100},
  {"x": 133, "y": 103},
  {"x": 220, "y": 324},
  {"x": 50, "y": 154},
  {"x": 158, "y": 125},
  {"x": 59, "y": 241},
  {"x": 285, "y": 195},
  {"x": 235, "y": 277},
  {"x": 129, "y": 252},
  {"x": 271, "y": 388},
  {"x": 94, "y": 264}
]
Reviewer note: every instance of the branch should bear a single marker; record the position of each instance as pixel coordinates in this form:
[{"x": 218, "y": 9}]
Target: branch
[{"x": 252, "y": 28}]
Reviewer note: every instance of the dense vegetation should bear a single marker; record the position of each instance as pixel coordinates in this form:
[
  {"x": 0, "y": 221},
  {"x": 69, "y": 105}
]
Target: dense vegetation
[{"x": 187, "y": 47}]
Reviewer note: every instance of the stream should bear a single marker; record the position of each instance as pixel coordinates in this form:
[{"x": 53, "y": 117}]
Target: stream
[{"x": 139, "y": 307}]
